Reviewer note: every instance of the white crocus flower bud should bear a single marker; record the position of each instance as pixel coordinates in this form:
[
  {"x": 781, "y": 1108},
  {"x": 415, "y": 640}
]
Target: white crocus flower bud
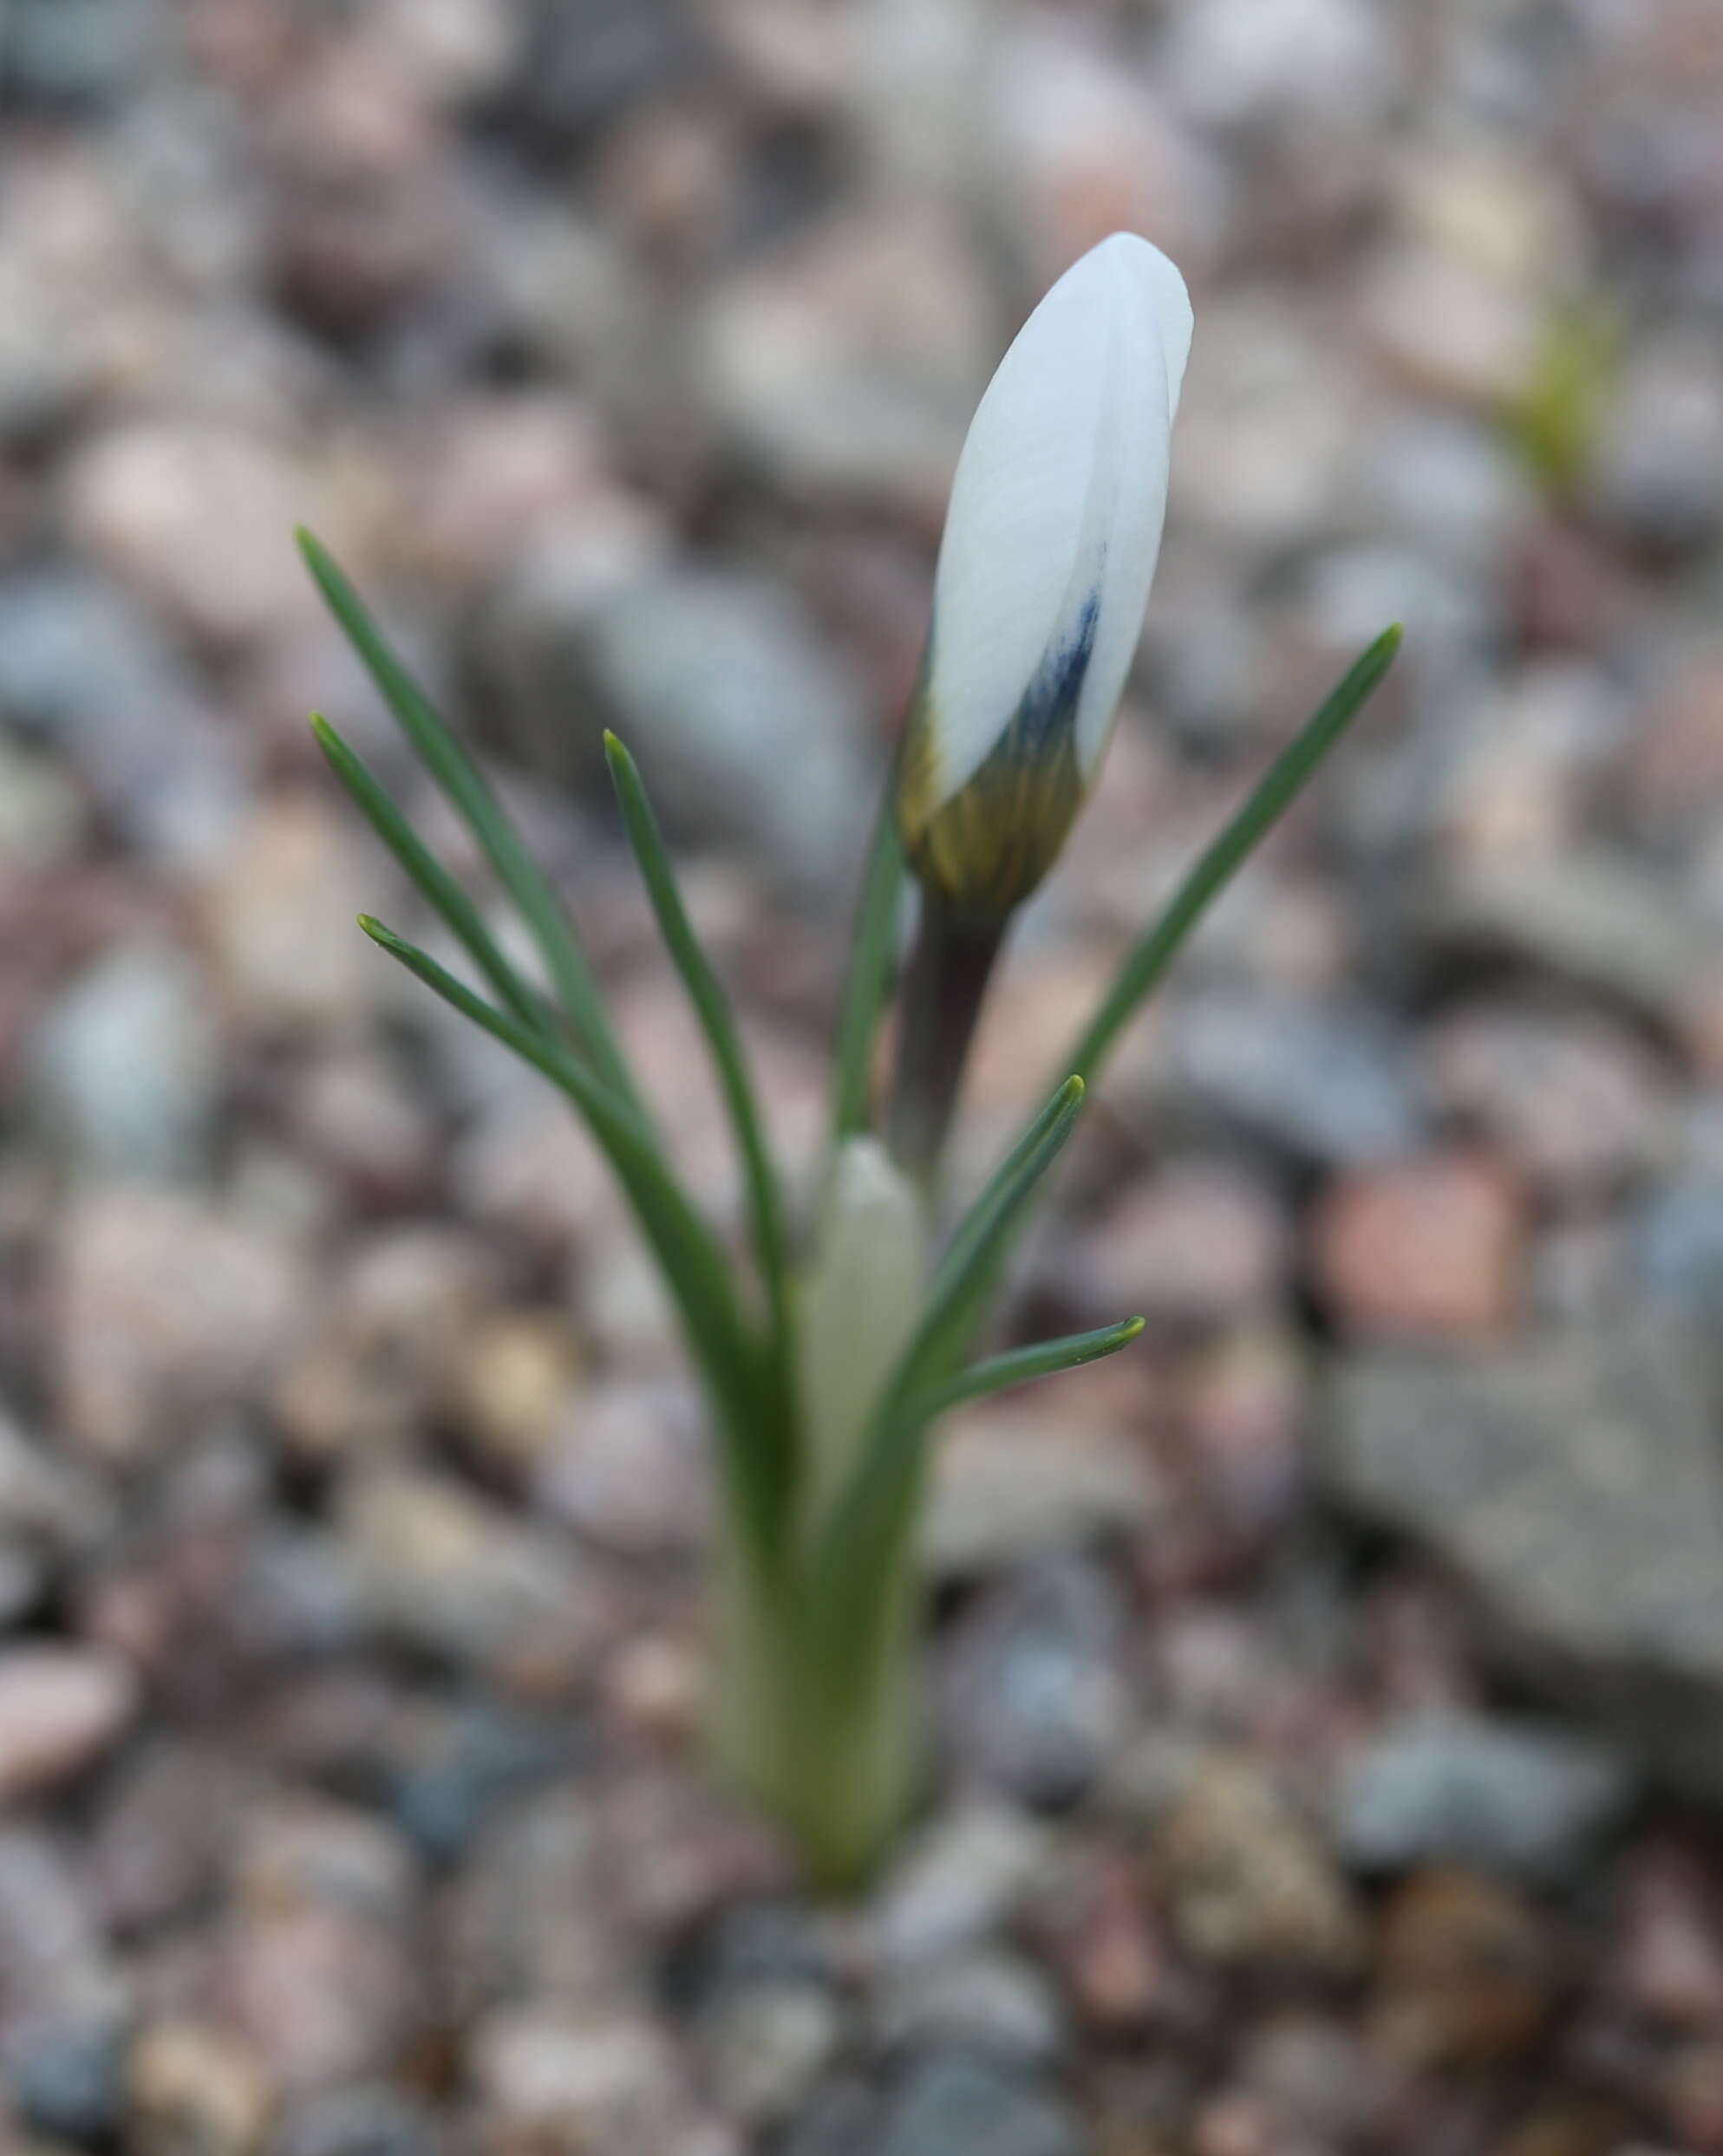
[
  {"x": 860, "y": 1305},
  {"x": 1044, "y": 571}
]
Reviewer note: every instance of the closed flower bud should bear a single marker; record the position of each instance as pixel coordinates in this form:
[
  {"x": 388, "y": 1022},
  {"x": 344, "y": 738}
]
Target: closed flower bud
[{"x": 1044, "y": 571}]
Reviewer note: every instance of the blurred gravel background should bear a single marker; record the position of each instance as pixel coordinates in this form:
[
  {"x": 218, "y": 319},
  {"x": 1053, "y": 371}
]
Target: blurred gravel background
[{"x": 1330, "y": 1689}]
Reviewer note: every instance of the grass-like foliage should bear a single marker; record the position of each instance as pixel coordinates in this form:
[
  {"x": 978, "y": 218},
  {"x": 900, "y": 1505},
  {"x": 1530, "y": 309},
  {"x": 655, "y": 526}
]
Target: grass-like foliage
[{"x": 821, "y": 1468}]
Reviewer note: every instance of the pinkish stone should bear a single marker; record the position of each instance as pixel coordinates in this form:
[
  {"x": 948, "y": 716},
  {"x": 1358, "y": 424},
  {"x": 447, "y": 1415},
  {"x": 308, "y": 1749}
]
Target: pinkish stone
[
  {"x": 61, "y": 1708},
  {"x": 1429, "y": 1249}
]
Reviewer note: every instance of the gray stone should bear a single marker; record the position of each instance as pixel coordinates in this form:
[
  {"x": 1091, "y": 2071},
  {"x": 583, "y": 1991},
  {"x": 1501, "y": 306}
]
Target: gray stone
[
  {"x": 443, "y": 1795},
  {"x": 1597, "y": 920},
  {"x": 1266, "y": 424},
  {"x": 1204, "y": 649},
  {"x": 987, "y": 1998},
  {"x": 1526, "y": 1800},
  {"x": 528, "y": 1914},
  {"x": 1447, "y": 485},
  {"x": 752, "y": 1942},
  {"x": 453, "y": 1576},
  {"x": 580, "y": 66},
  {"x": 293, "y": 1596},
  {"x": 1576, "y": 1486},
  {"x": 765, "y": 2044},
  {"x": 78, "y": 52},
  {"x": 766, "y": 2019},
  {"x": 1657, "y": 477},
  {"x": 374, "y": 2121},
  {"x": 1244, "y": 61},
  {"x": 52, "y": 1945},
  {"x": 959, "y": 1881},
  {"x": 319, "y": 1953},
  {"x": 1035, "y": 1702},
  {"x": 916, "y": 110},
  {"x": 1677, "y": 1246},
  {"x": 607, "y": 2085},
  {"x": 23, "y": 1578},
  {"x": 1323, "y": 1085},
  {"x": 955, "y": 2103},
  {"x": 1350, "y": 595},
  {"x": 848, "y": 366},
  {"x": 1576, "y": 1101},
  {"x": 840, "y": 2120},
  {"x": 948, "y": 2102},
  {"x": 68, "y": 2079},
  {"x": 1009, "y": 1487},
  {"x": 81, "y": 664},
  {"x": 67, "y": 642},
  {"x": 745, "y": 727},
  {"x": 125, "y": 1066},
  {"x": 169, "y": 1820},
  {"x": 55, "y": 1509}
]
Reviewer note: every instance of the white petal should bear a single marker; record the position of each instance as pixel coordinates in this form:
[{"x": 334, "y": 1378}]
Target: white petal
[
  {"x": 1151, "y": 342},
  {"x": 1164, "y": 288},
  {"x": 1058, "y": 502}
]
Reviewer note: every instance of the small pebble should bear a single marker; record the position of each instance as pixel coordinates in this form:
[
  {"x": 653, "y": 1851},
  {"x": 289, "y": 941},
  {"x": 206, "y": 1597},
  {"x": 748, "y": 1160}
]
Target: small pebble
[
  {"x": 70, "y": 2080},
  {"x": 1468, "y": 1973},
  {"x": 987, "y": 1997},
  {"x": 366, "y": 2121},
  {"x": 765, "y": 2043},
  {"x": 1431, "y": 1249},
  {"x": 60, "y": 1709},
  {"x": 1250, "y": 1884},
  {"x": 191, "y": 2088},
  {"x": 959, "y": 2103},
  {"x": 958, "y": 1881},
  {"x": 1034, "y": 1696},
  {"x": 1528, "y": 1801}
]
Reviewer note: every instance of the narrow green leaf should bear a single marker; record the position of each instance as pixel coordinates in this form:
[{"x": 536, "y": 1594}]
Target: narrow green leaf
[
  {"x": 694, "y": 1267},
  {"x": 1149, "y": 958},
  {"x": 869, "y": 973},
  {"x": 1021, "y": 1365},
  {"x": 860, "y": 1552},
  {"x": 438, "y": 886},
  {"x": 459, "y": 778},
  {"x": 771, "y": 1240},
  {"x": 965, "y": 1274}
]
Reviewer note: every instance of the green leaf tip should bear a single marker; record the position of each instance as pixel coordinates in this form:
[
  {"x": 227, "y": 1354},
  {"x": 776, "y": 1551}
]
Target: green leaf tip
[
  {"x": 1021, "y": 1365},
  {"x": 1279, "y": 787},
  {"x": 466, "y": 789},
  {"x": 624, "y": 772}
]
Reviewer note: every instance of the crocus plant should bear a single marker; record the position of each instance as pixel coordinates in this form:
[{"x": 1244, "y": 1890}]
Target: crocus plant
[{"x": 827, "y": 1364}]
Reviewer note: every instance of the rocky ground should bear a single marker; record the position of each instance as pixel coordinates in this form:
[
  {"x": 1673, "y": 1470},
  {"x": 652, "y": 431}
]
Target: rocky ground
[{"x": 1330, "y": 1691}]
